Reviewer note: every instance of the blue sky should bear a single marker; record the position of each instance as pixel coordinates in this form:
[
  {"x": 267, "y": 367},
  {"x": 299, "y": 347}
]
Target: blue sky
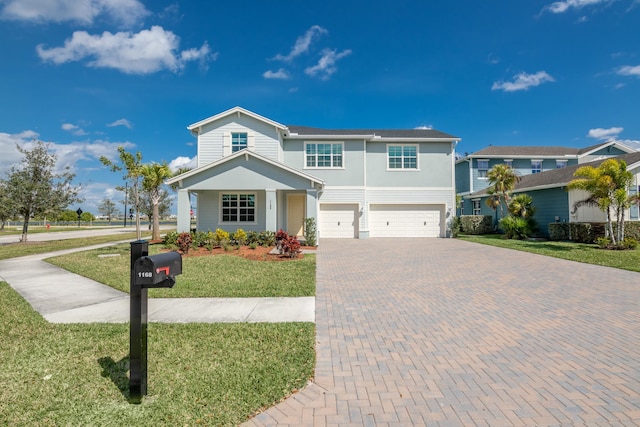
[{"x": 90, "y": 75}]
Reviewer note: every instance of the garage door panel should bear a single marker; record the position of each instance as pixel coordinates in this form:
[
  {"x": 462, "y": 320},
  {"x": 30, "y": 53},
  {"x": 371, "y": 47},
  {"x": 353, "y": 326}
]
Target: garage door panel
[
  {"x": 404, "y": 221},
  {"x": 338, "y": 221}
]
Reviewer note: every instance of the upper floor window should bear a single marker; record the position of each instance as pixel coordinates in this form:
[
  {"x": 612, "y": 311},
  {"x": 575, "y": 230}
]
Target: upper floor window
[
  {"x": 561, "y": 164},
  {"x": 536, "y": 166},
  {"x": 238, "y": 141},
  {"x": 402, "y": 156},
  {"x": 238, "y": 208},
  {"x": 483, "y": 168},
  {"x": 509, "y": 163},
  {"x": 323, "y": 155}
]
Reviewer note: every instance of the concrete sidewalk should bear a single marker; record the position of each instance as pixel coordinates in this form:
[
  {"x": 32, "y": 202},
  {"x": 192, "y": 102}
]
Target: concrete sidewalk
[{"x": 63, "y": 297}]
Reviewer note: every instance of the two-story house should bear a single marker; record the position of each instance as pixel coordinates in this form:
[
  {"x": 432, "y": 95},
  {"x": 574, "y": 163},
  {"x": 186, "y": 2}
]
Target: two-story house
[
  {"x": 257, "y": 174},
  {"x": 472, "y": 170}
]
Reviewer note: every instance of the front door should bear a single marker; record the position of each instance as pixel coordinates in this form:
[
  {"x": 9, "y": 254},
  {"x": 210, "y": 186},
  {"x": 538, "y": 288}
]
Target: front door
[{"x": 295, "y": 214}]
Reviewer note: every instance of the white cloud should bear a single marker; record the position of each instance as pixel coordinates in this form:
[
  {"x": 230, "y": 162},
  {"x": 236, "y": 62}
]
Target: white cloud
[
  {"x": 10, "y": 155},
  {"x": 121, "y": 122},
  {"x": 424, "y": 127},
  {"x": 124, "y": 12},
  {"x": 605, "y": 134},
  {"x": 183, "y": 162},
  {"x": 302, "y": 43},
  {"x": 281, "y": 74},
  {"x": 523, "y": 81},
  {"x": 74, "y": 129},
  {"x": 145, "y": 52},
  {"x": 629, "y": 70},
  {"x": 326, "y": 66},
  {"x": 565, "y": 5}
]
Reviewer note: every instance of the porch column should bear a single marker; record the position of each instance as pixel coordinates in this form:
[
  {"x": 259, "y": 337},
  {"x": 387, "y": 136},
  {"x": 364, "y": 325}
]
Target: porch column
[
  {"x": 271, "y": 211},
  {"x": 184, "y": 212},
  {"x": 312, "y": 205}
]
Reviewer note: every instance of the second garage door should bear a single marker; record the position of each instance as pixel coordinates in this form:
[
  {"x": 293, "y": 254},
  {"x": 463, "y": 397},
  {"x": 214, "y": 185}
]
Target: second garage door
[
  {"x": 405, "y": 220},
  {"x": 338, "y": 221}
]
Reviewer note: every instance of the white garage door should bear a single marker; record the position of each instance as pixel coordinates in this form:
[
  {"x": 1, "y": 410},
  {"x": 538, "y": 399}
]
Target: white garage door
[
  {"x": 404, "y": 220},
  {"x": 338, "y": 221}
]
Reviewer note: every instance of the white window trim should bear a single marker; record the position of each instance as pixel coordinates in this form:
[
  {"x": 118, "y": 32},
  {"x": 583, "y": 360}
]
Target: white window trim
[
  {"x": 322, "y": 167},
  {"x": 563, "y": 162},
  {"x": 237, "y": 193},
  {"x": 478, "y": 169},
  {"x": 473, "y": 210},
  {"x": 403, "y": 169},
  {"x": 227, "y": 148}
]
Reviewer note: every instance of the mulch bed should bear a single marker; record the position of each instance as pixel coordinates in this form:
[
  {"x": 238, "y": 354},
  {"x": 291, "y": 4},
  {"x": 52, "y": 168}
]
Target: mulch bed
[{"x": 260, "y": 253}]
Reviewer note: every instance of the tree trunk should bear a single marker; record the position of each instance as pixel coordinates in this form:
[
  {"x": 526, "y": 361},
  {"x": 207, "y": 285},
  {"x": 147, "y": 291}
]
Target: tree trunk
[
  {"x": 25, "y": 229},
  {"x": 610, "y": 227}
]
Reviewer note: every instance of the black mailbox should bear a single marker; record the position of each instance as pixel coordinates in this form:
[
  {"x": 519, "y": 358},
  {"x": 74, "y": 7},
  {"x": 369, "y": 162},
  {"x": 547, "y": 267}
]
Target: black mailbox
[{"x": 157, "y": 271}]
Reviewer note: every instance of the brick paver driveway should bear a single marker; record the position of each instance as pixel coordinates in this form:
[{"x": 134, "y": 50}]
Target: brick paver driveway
[{"x": 445, "y": 332}]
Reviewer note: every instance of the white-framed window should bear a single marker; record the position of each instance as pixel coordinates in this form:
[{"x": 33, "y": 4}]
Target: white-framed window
[
  {"x": 561, "y": 164},
  {"x": 483, "y": 168},
  {"x": 238, "y": 207},
  {"x": 402, "y": 156},
  {"x": 509, "y": 163},
  {"x": 475, "y": 207},
  {"x": 536, "y": 166},
  {"x": 323, "y": 155},
  {"x": 238, "y": 141}
]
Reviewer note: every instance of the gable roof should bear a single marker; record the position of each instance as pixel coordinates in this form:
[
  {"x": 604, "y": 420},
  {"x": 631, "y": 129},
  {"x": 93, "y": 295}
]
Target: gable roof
[
  {"x": 372, "y": 133},
  {"x": 525, "y": 151},
  {"x": 235, "y": 110},
  {"x": 241, "y": 153},
  {"x": 588, "y": 150},
  {"x": 560, "y": 177}
]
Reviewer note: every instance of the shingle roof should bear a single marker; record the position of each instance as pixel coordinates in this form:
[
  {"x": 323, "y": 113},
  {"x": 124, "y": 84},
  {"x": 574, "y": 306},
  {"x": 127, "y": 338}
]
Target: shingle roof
[
  {"x": 505, "y": 150},
  {"x": 559, "y": 177},
  {"x": 384, "y": 133}
]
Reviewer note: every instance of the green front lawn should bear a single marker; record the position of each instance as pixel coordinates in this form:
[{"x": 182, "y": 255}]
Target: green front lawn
[
  {"x": 223, "y": 276},
  {"x": 199, "y": 374},
  {"x": 13, "y": 250},
  {"x": 581, "y": 252}
]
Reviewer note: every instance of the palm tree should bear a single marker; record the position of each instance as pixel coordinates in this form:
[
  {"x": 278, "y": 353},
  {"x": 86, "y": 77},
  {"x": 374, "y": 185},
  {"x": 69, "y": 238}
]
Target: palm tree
[
  {"x": 502, "y": 180},
  {"x": 154, "y": 175},
  {"x": 607, "y": 186},
  {"x": 521, "y": 205}
]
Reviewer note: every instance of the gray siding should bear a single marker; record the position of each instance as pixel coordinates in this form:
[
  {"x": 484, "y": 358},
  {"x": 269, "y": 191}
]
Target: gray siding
[
  {"x": 550, "y": 203},
  {"x": 209, "y": 212},
  {"x": 434, "y": 166},
  {"x": 210, "y": 140},
  {"x": 351, "y": 173},
  {"x": 462, "y": 177}
]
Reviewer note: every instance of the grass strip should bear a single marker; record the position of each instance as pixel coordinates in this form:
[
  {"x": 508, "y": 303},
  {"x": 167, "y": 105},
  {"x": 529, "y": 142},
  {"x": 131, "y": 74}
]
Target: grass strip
[
  {"x": 14, "y": 250},
  {"x": 581, "y": 252},
  {"x": 199, "y": 374},
  {"x": 219, "y": 276}
]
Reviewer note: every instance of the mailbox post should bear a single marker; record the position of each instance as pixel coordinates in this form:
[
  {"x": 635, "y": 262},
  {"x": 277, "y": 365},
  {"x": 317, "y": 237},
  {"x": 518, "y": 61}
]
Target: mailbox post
[{"x": 157, "y": 271}]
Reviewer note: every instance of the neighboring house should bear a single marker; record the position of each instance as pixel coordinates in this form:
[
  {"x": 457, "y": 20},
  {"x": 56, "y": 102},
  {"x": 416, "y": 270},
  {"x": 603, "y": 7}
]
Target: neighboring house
[
  {"x": 554, "y": 203},
  {"x": 471, "y": 170},
  {"x": 257, "y": 174}
]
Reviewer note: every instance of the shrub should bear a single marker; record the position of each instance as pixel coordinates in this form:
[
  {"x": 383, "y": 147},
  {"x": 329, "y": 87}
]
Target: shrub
[
  {"x": 559, "y": 231},
  {"x": 221, "y": 237},
  {"x": 310, "y": 231},
  {"x": 199, "y": 239},
  {"x": 240, "y": 237},
  {"x": 267, "y": 238},
  {"x": 253, "y": 245},
  {"x": 581, "y": 232},
  {"x": 290, "y": 246},
  {"x": 253, "y": 237},
  {"x": 170, "y": 239},
  {"x": 603, "y": 242},
  {"x": 476, "y": 224},
  {"x": 517, "y": 227},
  {"x": 456, "y": 224},
  {"x": 184, "y": 242},
  {"x": 629, "y": 243}
]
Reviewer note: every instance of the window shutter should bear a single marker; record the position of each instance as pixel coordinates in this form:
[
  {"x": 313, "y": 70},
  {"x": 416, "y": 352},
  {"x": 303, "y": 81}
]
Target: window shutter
[
  {"x": 226, "y": 144},
  {"x": 251, "y": 141}
]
